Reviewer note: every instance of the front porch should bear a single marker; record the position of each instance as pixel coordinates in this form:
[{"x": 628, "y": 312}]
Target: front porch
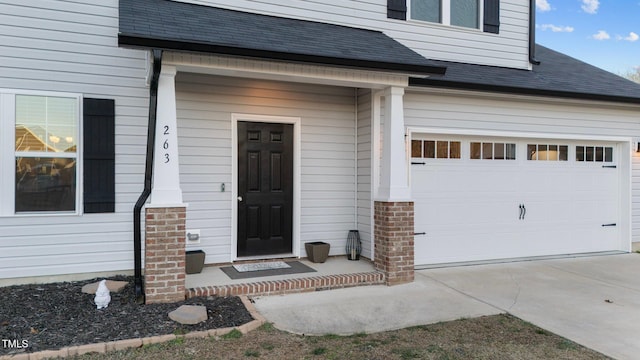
[{"x": 337, "y": 272}]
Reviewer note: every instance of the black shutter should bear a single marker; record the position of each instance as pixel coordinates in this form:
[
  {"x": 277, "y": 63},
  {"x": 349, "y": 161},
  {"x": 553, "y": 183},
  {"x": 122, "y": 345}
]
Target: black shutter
[
  {"x": 99, "y": 155},
  {"x": 492, "y": 16},
  {"x": 397, "y": 9}
]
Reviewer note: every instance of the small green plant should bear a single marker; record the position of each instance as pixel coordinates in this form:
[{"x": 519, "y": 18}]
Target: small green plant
[
  {"x": 330, "y": 336},
  {"x": 407, "y": 353},
  {"x": 177, "y": 341},
  {"x": 151, "y": 346},
  {"x": 567, "y": 345},
  {"x": 252, "y": 353},
  {"x": 268, "y": 327},
  {"x": 319, "y": 351},
  {"x": 179, "y": 331},
  {"x": 233, "y": 334},
  {"x": 267, "y": 346},
  {"x": 542, "y": 332}
]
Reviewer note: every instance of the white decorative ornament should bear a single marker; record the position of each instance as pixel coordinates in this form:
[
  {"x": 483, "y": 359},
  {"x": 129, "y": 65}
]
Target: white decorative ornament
[{"x": 103, "y": 297}]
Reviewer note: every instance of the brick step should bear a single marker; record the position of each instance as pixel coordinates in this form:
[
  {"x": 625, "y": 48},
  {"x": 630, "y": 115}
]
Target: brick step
[{"x": 290, "y": 286}]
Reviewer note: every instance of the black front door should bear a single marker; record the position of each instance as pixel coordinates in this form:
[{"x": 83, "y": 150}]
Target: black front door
[{"x": 265, "y": 188}]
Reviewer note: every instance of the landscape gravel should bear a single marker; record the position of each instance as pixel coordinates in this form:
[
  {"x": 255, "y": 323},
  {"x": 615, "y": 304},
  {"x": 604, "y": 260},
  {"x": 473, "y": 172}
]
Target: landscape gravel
[{"x": 56, "y": 315}]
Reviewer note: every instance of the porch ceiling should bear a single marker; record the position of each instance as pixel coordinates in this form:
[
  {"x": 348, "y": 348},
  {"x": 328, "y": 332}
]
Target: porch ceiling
[{"x": 177, "y": 26}]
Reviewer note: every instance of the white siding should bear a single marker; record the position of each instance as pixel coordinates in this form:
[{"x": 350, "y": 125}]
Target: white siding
[
  {"x": 205, "y": 105},
  {"x": 468, "y": 112},
  {"x": 434, "y": 41},
  {"x": 364, "y": 210},
  {"x": 71, "y": 46}
]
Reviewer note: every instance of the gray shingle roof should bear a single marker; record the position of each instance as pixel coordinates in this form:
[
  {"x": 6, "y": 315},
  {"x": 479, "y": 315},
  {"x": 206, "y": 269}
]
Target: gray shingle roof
[
  {"x": 166, "y": 24},
  {"x": 557, "y": 75},
  {"x": 173, "y": 25}
]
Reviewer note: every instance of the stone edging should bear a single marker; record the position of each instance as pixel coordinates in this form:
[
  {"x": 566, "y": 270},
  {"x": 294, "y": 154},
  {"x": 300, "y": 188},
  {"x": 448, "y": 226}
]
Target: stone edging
[{"x": 258, "y": 320}]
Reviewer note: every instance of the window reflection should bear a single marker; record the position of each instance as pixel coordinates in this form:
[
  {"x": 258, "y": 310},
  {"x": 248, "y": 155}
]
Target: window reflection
[
  {"x": 46, "y": 129},
  {"x": 45, "y": 184}
]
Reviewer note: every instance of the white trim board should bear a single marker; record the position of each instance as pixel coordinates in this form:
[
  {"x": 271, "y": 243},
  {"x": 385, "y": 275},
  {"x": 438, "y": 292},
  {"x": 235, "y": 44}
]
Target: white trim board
[{"x": 296, "y": 121}]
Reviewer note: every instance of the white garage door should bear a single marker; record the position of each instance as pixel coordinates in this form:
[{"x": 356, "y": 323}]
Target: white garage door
[{"x": 480, "y": 199}]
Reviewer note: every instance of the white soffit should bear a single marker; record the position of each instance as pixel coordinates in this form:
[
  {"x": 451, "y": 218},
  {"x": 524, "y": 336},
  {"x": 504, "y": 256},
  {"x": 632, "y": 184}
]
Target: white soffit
[{"x": 283, "y": 71}]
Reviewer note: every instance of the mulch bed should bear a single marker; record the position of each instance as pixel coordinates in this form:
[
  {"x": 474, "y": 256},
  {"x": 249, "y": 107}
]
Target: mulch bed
[{"x": 57, "y": 315}]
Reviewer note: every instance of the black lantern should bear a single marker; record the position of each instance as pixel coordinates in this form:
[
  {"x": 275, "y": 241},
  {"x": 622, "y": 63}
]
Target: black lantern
[{"x": 354, "y": 246}]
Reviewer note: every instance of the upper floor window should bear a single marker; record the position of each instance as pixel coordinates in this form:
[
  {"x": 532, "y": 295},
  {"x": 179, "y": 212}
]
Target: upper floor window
[{"x": 464, "y": 13}]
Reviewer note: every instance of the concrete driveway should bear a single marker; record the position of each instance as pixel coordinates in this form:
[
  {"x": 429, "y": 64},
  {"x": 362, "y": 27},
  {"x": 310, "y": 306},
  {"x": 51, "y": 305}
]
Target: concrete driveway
[{"x": 594, "y": 301}]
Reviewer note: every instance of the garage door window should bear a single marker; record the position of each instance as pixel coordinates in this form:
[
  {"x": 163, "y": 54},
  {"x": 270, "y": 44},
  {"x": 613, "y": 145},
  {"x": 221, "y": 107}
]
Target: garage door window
[
  {"x": 493, "y": 151},
  {"x": 546, "y": 152},
  {"x": 435, "y": 149},
  {"x": 594, "y": 153}
]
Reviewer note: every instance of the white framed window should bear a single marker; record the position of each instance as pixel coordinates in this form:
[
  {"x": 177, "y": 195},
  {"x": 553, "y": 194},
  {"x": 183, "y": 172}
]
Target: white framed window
[
  {"x": 547, "y": 152},
  {"x": 594, "y": 154},
  {"x": 492, "y": 151},
  {"x": 39, "y": 152},
  {"x": 435, "y": 149},
  {"x": 463, "y": 13}
]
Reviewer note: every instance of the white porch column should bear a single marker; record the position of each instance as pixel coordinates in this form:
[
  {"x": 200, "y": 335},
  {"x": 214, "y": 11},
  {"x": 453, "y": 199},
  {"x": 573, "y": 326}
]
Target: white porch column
[
  {"x": 166, "y": 168},
  {"x": 394, "y": 179}
]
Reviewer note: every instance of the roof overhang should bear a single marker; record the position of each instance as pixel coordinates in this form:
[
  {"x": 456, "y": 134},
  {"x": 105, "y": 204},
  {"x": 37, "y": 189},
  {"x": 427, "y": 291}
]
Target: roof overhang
[
  {"x": 185, "y": 27},
  {"x": 556, "y": 75}
]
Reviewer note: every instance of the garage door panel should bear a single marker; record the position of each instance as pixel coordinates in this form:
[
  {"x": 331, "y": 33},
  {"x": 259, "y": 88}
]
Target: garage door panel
[
  {"x": 446, "y": 248},
  {"x": 485, "y": 209},
  {"x": 464, "y": 212}
]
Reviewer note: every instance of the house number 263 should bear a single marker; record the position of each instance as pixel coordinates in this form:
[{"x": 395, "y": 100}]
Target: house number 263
[{"x": 165, "y": 144}]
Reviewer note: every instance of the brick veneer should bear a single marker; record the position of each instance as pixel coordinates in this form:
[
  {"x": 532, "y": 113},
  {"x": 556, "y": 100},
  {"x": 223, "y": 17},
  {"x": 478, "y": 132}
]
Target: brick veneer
[
  {"x": 164, "y": 260},
  {"x": 290, "y": 286},
  {"x": 393, "y": 241}
]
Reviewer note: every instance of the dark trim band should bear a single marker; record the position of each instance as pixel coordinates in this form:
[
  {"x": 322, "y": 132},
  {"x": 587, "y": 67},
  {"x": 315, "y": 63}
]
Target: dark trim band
[
  {"x": 140, "y": 42},
  {"x": 428, "y": 82}
]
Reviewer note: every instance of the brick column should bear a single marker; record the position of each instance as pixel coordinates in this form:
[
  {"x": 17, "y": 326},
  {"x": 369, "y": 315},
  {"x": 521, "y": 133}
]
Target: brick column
[
  {"x": 393, "y": 241},
  {"x": 164, "y": 260}
]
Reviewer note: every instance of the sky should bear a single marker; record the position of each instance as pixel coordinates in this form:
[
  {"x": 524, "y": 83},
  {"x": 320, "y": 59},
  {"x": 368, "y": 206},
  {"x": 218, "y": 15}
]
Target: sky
[{"x": 604, "y": 33}]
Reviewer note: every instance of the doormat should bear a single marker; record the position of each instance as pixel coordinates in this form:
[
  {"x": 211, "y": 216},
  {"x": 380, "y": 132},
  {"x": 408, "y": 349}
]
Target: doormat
[
  {"x": 261, "y": 266},
  {"x": 295, "y": 267}
]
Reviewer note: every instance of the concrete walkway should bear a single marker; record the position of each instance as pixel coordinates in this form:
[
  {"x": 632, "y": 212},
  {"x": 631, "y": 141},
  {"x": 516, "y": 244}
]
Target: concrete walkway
[{"x": 594, "y": 301}]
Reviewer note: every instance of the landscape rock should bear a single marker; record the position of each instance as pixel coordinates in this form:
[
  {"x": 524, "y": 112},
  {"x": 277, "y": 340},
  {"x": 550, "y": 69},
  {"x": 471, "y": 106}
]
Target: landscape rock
[
  {"x": 113, "y": 286},
  {"x": 189, "y": 314}
]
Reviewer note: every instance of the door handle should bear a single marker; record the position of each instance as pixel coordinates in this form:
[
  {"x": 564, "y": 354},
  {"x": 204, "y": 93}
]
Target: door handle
[
  {"x": 524, "y": 212},
  {"x": 520, "y": 206},
  {"x": 240, "y": 198}
]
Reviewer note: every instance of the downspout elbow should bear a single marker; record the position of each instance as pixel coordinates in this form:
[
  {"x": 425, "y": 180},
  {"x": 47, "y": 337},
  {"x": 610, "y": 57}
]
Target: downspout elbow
[{"x": 148, "y": 176}]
